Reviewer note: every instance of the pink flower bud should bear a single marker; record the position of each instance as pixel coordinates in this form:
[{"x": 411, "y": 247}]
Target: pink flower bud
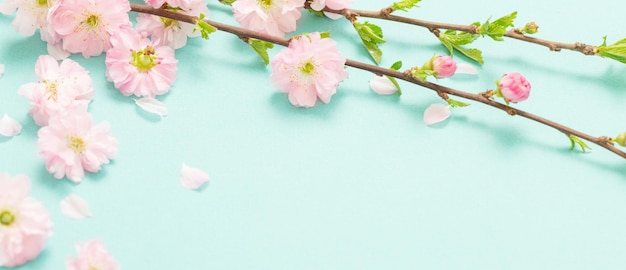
[
  {"x": 444, "y": 66},
  {"x": 514, "y": 87}
]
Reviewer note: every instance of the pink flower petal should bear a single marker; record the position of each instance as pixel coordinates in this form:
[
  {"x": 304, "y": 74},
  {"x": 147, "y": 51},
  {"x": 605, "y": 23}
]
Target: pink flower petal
[
  {"x": 75, "y": 207},
  {"x": 382, "y": 85},
  {"x": 9, "y": 127},
  {"x": 152, "y": 105},
  {"x": 333, "y": 16},
  {"x": 436, "y": 113},
  {"x": 465, "y": 68},
  {"x": 192, "y": 178},
  {"x": 57, "y": 51}
]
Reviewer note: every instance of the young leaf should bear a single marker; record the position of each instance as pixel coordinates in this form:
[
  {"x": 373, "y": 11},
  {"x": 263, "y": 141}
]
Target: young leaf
[
  {"x": 227, "y": 2},
  {"x": 396, "y": 66},
  {"x": 455, "y": 103},
  {"x": 371, "y": 35},
  {"x": 453, "y": 41},
  {"x": 575, "y": 140},
  {"x": 615, "y": 51},
  {"x": 204, "y": 28},
  {"x": 497, "y": 28},
  {"x": 404, "y": 5},
  {"x": 317, "y": 13},
  {"x": 260, "y": 47}
]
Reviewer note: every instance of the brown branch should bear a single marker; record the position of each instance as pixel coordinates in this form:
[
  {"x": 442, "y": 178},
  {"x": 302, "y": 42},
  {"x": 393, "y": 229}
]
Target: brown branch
[
  {"x": 435, "y": 27},
  {"x": 602, "y": 141}
]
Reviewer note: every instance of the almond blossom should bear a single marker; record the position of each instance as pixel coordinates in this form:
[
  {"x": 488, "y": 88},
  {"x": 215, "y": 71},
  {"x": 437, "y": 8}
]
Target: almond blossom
[
  {"x": 92, "y": 255},
  {"x": 71, "y": 145},
  {"x": 29, "y": 15},
  {"x": 85, "y": 26},
  {"x": 273, "y": 17},
  {"x": 138, "y": 66},
  {"x": 310, "y": 68},
  {"x": 24, "y": 222},
  {"x": 170, "y": 32},
  {"x": 332, "y": 4},
  {"x": 513, "y": 87},
  {"x": 62, "y": 87}
]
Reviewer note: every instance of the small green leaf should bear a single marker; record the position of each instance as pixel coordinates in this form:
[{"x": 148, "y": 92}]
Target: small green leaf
[
  {"x": 395, "y": 83},
  {"x": 325, "y": 34},
  {"x": 227, "y": 2},
  {"x": 317, "y": 13},
  {"x": 472, "y": 53},
  {"x": 260, "y": 47},
  {"x": 454, "y": 41},
  {"x": 204, "y": 28},
  {"x": 404, "y": 5},
  {"x": 497, "y": 28},
  {"x": 396, "y": 66},
  {"x": 371, "y": 35},
  {"x": 455, "y": 103},
  {"x": 615, "y": 51},
  {"x": 575, "y": 140}
]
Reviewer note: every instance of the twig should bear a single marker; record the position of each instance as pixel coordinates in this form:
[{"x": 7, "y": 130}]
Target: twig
[{"x": 602, "y": 141}]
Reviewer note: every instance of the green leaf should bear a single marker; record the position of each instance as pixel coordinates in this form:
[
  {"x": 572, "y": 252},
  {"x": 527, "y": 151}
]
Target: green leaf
[
  {"x": 396, "y": 66},
  {"x": 615, "y": 51},
  {"x": 325, "y": 34},
  {"x": 317, "y": 13},
  {"x": 204, "y": 28},
  {"x": 371, "y": 35},
  {"x": 455, "y": 103},
  {"x": 454, "y": 41},
  {"x": 497, "y": 28},
  {"x": 260, "y": 47},
  {"x": 575, "y": 140},
  {"x": 227, "y": 2},
  {"x": 404, "y": 5}
]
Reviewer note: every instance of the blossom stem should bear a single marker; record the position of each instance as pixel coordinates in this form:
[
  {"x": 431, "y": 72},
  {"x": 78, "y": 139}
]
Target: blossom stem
[
  {"x": 602, "y": 141},
  {"x": 435, "y": 28}
]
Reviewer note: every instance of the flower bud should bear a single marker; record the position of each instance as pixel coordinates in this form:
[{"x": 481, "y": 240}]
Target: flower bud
[
  {"x": 621, "y": 139},
  {"x": 530, "y": 28},
  {"x": 443, "y": 66},
  {"x": 513, "y": 87}
]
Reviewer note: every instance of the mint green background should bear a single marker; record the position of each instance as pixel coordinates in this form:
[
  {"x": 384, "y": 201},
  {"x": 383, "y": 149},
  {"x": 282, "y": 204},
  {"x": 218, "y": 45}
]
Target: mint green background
[{"x": 360, "y": 183}]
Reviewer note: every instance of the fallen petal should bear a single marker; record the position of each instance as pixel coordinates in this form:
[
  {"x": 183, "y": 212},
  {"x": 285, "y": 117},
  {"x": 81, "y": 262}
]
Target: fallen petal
[
  {"x": 436, "y": 113},
  {"x": 75, "y": 207},
  {"x": 465, "y": 68},
  {"x": 9, "y": 127},
  {"x": 1, "y": 70},
  {"x": 57, "y": 51},
  {"x": 152, "y": 105},
  {"x": 382, "y": 85},
  {"x": 192, "y": 178}
]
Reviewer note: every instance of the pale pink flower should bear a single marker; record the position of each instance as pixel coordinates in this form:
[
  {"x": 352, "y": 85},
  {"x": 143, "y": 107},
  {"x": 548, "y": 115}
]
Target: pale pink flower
[
  {"x": 443, "y": 66},
  {"x": 436, "y": 113},
  {"x": 309, "y": 68},
  {"x": 24, "y": 222},
  {"x": 92, "y": 255},
  {"x": 332, "y": 4},
  {"x": 155, "y": 3},
  {"x": 62, "y": 87},
  {"x": 170, "y": 32},
  {"x": 274, "y": 17},
  {"x": 30, "y": 16},
  {"x": 70, "y": 145},
  {"x": 138, "y": 66},
  {"x": 85, "y": 26},
  {"x": 514, "y": 87}
]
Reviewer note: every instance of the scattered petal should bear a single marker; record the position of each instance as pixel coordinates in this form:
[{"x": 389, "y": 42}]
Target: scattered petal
[
  {"x": 57, "y": 51},
  {"x": 1, "y": 70},
  {"x": 152, "y": 105},
  {"x": 436, "y": 113},
  {"x": 465, "y": 68},
  {"x": 382, "y": 85},
  {"x": 192, "y": 178},
  {"x": 75, "y": 207},
  {"x": 9, "y": 127}
]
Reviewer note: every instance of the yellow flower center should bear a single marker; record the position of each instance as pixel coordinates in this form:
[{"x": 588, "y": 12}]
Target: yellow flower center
[
  {"x": 265, "y": 3},
  {"x": 145, "y": 59},
  {"x": 51, "y": 90},
  {"x": 77, "y": 144},
  {"x": 42, "y": 2},
  {"x": 308, "y": 68},
  {"x": 92, "y": 21},
  {"x": 6, "y": 218}
]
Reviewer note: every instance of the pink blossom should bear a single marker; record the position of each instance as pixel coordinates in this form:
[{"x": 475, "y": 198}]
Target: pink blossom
[
  {"x": 138, "y": 66},
  {"x": 310, "y": 68},
  {"x": 85, "y": 26},
  {"x": 155, "y": 3},
  {"x": 443, "y": 66},
  {"x": 274, "y": 17},
  {"x": 514, "y": 87},
  {"x": 332, "y": 4},
  {"x": 70, "y": 145},
  {"x": 24, "y": 222},
  {"x": 171, "y": 32},
  {"x": 30, "y": 16},
  {"x": 92, "y": 255},
  {"x": 61, "y": 88}
]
